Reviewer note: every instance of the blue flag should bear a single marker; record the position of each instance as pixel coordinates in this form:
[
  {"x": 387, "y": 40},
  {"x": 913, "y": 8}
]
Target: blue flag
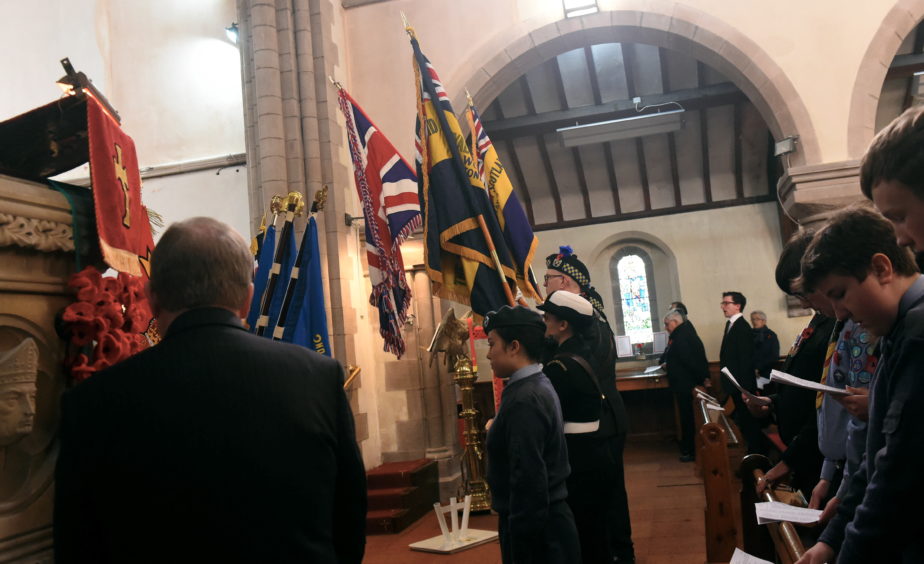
[
  {"x": 309, "y": 319},
  {"x": 285, "y": 270},
  {"x": 264, "y": 264}
]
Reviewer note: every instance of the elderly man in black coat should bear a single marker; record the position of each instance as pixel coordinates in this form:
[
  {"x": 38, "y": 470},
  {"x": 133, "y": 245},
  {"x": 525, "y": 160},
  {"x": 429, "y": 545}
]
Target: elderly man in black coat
[
  {"x": 687, "y": 369},
  {"x": 215, "y": 445}
]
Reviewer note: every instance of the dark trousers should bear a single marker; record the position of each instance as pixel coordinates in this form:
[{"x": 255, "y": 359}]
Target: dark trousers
[
  {"x": 684, "y": 399},
  {"x": 618, "y": 514},
  {"x": 749, "y": 426},
  {"x": 556, "y": 541}
]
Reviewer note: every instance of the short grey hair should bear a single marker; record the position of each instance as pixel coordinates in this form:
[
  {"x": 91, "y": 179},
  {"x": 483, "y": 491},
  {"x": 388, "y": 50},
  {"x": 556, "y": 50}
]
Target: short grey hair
[
  {"x": 201, "y": 262},
  {"x": 674, "y": 314},
  {"x": 759, "y": 314}
]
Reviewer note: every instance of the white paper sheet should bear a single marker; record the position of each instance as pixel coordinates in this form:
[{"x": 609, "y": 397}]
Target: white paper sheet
[
  {"x": 761, "y": 382},
  {"x": 706, "y": 398},
  {"x": 771, "y": 511},
  {"x": 731, "y": 379},
  {"x": 789, "y": 379},
  {"x": 714, "y": 407},
  {"x": 651, "y": 369},
  {"x": 623, "y": 346},
  {"x": 742, "y": 557},
  {"x": 659, "y": 342}
]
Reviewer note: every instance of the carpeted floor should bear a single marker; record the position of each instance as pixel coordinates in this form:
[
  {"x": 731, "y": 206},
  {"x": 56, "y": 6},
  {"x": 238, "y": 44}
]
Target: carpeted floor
[{"x": 665, "y": 500}]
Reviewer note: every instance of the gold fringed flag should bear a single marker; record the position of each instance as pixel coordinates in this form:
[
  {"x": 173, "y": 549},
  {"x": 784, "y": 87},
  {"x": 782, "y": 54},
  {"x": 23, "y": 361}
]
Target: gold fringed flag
[
  {"x": 121, "y": 219},
  {"x": 464, "y": 250},
  {"x": 518, "y": 233}
]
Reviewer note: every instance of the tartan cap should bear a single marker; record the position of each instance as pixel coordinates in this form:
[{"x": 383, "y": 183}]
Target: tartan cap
[{"x": 566, "y": 262}]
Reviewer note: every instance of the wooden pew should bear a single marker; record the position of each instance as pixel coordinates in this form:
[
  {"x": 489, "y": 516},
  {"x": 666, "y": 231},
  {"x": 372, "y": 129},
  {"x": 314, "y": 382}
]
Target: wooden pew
[
  {"x": 765, "y": 541},
  {"x": 719, "y": 449}
]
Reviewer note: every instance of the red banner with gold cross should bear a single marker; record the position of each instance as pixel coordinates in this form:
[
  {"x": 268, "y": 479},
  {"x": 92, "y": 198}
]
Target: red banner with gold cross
[{"x": 122, "y": 221}]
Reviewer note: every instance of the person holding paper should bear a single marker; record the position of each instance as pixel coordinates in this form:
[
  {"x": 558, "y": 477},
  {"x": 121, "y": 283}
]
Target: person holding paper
[
  {"x": 793, "y": 408},
  {"x": 687, "y": 370},
  {"x": 842, "y": 436},
  {"x": 877, "y": 284},
  {"x": 737, "y": 355}
]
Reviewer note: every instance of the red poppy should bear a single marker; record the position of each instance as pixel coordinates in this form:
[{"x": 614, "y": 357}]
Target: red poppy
[
  {"x": 112, "y": 347},
  {"x": 79, "y": 312},
  {"x": 112, "y": 285},
  {"x": 86, "y": 283},
  {"x": 83, "y": 333},
  {"x": 81, "y": 368}
]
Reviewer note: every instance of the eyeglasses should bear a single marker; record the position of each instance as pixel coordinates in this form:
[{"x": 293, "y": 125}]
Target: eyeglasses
[
  {"x": 726, "y": 303},
  {"x": 548, "y": 277}
]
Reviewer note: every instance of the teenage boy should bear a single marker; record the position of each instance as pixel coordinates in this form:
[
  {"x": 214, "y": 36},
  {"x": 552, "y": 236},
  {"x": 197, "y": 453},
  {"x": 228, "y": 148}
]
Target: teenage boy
[
  {"x": 857, "y": 264},
  {"x": 527, "y": 455},
  {"x": 892, "y": 176}
]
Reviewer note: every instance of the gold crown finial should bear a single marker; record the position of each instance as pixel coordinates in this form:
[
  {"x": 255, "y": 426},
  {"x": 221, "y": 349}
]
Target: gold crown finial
[{"x": 19, "y": 364}]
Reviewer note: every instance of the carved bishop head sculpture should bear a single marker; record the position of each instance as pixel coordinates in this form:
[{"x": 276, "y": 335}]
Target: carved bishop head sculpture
[{"x": 18, "y": 373}]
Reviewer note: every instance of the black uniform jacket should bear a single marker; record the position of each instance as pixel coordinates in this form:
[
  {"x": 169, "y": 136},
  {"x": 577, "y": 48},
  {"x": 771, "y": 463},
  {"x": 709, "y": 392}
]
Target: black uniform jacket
[
  {"x": 685, "y": 356},
  {"x": 591, "y": 455},
  {"x": 213, "y": 446}
]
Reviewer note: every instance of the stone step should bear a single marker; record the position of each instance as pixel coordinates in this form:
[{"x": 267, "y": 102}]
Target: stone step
[{"x": 409, "y": 473}]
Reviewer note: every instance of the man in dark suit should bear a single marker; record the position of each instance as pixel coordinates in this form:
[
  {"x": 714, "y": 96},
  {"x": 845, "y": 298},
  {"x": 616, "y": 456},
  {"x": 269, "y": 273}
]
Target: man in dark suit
[
  {"x": 737, "y": 354},
  {"x": 687, "y": 369},
  {"x": 214, "y": 445}
]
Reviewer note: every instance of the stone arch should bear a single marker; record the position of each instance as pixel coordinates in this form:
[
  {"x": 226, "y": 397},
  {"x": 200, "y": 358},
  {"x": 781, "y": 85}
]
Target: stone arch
[
  {"x": 864, "y": 101},
  {"x": 494, "y": 66}
]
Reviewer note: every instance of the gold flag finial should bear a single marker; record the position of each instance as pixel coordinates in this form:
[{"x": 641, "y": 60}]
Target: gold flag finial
[
  {"x": 320, "y": 199},
  {"x": 276, "y": 204},
  {"x": 294, "y": 201},
  {"x": 407, "y": 26},
  {"x": 336, "y": 83},
  {"x": 468, "y": 95}
]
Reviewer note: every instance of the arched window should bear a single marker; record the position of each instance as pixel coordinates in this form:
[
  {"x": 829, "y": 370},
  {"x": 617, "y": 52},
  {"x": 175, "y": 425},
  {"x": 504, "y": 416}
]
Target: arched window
[
  {"x": 635, "y": 291},
  {"x": 634, "y": 298}
]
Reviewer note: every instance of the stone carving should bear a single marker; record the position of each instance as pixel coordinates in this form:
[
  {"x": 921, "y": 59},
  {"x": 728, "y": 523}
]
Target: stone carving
[
  {"x": 42, "y": 234},
  {"x": 18, "y": 373},
  {"x": 451, "y": 338}
]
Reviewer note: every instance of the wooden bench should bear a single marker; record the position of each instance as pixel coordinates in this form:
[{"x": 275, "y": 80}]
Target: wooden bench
[
  {"x": 773, "y": 539},
  {"x": 719, "y": 449}
]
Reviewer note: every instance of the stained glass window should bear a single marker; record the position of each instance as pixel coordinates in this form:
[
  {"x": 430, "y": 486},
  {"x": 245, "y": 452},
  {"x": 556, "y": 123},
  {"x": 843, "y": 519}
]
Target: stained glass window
[{"x": 634, "y": 298}]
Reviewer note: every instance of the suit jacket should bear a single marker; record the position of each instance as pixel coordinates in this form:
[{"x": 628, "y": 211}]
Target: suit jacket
[
  {"x": 685, "y": 356},
  {"x": 737, "y": 354},
  {"x": 213, "y": 446}
]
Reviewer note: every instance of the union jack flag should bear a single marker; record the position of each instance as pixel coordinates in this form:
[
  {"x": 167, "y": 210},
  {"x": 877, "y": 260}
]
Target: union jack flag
[{"x": 387, "y": 189}]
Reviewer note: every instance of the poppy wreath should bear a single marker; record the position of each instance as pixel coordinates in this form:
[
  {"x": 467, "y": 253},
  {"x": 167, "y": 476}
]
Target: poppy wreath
[{"x": 110, "y": 321}]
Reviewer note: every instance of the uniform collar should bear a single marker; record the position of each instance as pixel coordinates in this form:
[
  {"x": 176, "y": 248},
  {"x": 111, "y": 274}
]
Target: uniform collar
[{"x": 524, "y": 372}]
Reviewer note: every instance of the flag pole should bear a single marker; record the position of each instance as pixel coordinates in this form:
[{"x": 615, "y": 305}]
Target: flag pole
[
  {"x": 320, "y": 198},
  {"x": 293, "y": 205},
  {"x": 471, "y": 204}
]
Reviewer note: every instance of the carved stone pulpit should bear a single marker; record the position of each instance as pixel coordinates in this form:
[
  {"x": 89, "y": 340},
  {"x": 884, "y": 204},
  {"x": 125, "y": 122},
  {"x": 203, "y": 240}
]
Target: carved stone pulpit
[{"x": 36, "y": 258}]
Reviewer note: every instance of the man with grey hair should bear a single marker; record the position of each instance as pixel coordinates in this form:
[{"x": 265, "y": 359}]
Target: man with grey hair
[
  {"x": 214, "y": 445},
  {"x": 766, "y": 345},
  {"x": 687, "y": 369}
]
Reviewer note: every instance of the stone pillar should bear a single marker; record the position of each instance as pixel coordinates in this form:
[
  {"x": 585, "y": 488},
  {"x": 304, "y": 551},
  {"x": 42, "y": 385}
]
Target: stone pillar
[
  {"x": 36, "y": 259},
  {"x": 293, "y": 140},
  {"x": 430, "y": 429},
  {"x": 810, "y": 193}
]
